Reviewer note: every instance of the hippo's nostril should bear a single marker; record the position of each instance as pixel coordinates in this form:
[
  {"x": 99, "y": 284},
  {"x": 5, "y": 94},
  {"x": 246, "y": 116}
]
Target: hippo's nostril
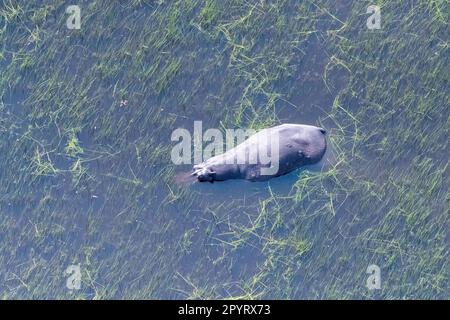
[{"x": 322, "y": 130}]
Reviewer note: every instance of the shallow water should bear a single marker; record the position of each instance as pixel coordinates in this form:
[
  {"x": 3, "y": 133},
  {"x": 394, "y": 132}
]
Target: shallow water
[{"x": 87, "y": 180}]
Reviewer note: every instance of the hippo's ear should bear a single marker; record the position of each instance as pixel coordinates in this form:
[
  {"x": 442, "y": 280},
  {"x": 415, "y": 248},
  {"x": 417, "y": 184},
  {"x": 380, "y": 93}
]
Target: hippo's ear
[{"x": 212, "y": 174}]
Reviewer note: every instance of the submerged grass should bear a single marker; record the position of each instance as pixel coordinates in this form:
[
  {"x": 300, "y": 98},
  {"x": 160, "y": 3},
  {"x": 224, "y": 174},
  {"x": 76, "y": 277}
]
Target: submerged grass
[{"x": 86, "y": 178}]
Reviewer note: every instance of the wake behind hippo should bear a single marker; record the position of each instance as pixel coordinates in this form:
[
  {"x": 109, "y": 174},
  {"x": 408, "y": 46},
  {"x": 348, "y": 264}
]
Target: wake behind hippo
[{"x": 272, "y": 152}]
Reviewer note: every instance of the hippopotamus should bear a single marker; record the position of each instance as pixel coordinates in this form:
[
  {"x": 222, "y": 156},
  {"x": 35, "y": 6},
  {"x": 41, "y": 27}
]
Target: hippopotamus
[{"x": 271, "y": 152}]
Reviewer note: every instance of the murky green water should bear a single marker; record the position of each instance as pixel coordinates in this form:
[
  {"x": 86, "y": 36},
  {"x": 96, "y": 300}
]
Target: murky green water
[{"x": 86, "y": 177}]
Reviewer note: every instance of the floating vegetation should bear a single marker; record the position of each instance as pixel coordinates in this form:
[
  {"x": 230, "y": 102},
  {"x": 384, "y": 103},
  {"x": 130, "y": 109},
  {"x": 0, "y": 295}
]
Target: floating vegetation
[{"x": 86, "y": 178}]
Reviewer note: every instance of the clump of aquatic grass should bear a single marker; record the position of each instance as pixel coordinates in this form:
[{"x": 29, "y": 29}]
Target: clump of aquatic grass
[
  {"x": 73, "y": 148},
  {"x": 42, "y": 164},
  {"x": 10, "y": 11}
]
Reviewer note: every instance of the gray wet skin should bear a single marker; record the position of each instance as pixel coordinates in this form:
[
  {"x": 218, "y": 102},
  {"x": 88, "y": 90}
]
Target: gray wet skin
[{"x": 298, "y": 145}]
